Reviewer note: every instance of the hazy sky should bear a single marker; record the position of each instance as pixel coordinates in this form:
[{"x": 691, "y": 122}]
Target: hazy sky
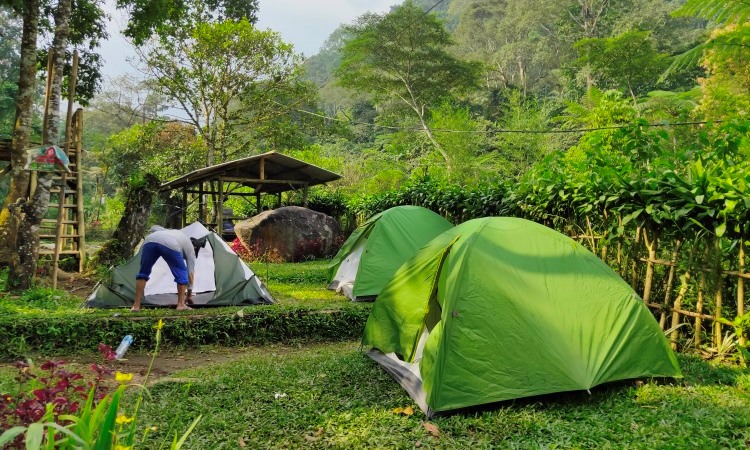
[{"x": 303, "y": 23}]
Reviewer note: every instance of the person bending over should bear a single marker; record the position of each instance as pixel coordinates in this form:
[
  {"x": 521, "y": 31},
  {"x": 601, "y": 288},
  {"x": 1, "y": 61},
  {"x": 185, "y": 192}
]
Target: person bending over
[{"x": 179, "y": 252}]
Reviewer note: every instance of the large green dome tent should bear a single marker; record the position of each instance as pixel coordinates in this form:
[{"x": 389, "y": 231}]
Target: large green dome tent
[
  {"x": 221, "y": 279},
  {"x": 371, "y": 255},
  {"x": 503, "y": 308}
]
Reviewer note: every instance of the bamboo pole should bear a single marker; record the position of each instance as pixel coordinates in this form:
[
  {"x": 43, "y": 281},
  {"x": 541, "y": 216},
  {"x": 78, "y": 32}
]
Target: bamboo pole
[
  {"x": 651, "y": 246},
  {"x": 741, "y": 288},
  {"x": 699, "y": 305},
  {"x": 670, "y": 283},
  {"x": 604, "y": 247},
  {"x": 677, "y": 307},
  {"x": 718, "y": 300},
  {"x": 592, "y": 242},
  {"x": 634, "y": 265},
  {"x": 619, "y": 246},
  {"x": 718, "y": 303}
]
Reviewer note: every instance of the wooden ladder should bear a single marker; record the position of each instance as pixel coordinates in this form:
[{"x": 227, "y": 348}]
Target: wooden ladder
[{"x": 62, "y": 232}]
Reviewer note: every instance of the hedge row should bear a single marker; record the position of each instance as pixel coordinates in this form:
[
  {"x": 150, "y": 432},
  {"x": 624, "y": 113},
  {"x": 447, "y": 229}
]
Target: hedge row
[{"x": 72, "y": 334}]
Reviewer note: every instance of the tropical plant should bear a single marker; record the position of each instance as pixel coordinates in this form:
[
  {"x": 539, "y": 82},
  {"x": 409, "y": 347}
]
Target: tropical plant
[{"x": 61, "y": 423}]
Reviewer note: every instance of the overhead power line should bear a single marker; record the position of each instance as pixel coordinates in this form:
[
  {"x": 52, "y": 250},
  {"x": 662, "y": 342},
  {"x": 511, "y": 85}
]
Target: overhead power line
[{"x": 504, "y": 130}]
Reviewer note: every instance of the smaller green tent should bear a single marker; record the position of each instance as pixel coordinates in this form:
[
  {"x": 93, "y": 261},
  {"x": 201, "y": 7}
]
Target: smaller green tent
[
  {"x": 374, "y": 251},
  {"x": 221, "y": 279},
  {"x": 502, "y": 308}
]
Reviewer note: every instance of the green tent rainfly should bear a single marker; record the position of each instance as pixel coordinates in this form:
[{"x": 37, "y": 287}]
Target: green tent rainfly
[
  {"x": 502, "y": 308},
  {"x": 221, "y": 279},
  {"x": 371, "y": 255}
]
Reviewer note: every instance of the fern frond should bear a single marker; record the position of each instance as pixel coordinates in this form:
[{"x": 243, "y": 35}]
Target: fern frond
[{"x": 723, "y": 12}]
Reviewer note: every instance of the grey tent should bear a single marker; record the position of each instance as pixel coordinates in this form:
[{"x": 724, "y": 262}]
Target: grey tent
[{"x": 221, "y": 279}]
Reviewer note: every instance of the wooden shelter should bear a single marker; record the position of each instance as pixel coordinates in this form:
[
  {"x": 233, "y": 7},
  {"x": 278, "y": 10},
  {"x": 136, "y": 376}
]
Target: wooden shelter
[{"x": 267, "y": 173}]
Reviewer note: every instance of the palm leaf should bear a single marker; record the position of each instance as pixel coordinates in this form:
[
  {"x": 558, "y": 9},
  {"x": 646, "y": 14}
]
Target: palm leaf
[{"x": 723, "y": 12}]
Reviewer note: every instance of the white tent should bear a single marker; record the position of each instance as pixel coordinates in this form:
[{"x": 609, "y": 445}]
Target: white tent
[{"x": 221, "y": 278}]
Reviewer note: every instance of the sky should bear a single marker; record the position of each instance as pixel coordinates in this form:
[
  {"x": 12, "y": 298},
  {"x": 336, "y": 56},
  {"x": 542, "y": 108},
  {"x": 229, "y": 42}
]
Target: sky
[{"x": 304, "y": 23}]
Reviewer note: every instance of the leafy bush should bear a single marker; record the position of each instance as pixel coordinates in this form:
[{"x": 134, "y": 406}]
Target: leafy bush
[
  {"x": 75, "y": 333},
  {"x": 53, "y": 409}
]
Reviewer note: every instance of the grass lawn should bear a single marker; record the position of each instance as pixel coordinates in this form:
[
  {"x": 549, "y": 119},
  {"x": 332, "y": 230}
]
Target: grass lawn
[
  {"x": 329, "y": 395},
  {"x": 332, "y": 396}
]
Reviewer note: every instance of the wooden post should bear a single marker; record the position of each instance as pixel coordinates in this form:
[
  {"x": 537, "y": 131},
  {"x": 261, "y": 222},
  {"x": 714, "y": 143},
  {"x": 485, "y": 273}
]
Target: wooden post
[
  {"x": 201, "y": 204},
  {"x": 262, "y": 174},
  {"x": 670, "y": 283},
  {"x": 63, "y": 181},
  {"x": 47, "y": 92},
  {"x": 278, "y": 199},
  {"x": 220, "y": 208},
  {"x": 257, "y": 203},
  {"x": 81, "y": 216},
  {"x": 304, "y": 196},
  {"x": 651, "y": 245},
  {"x": 184, "y": 205},
  {"x": 741, "y": 288}
]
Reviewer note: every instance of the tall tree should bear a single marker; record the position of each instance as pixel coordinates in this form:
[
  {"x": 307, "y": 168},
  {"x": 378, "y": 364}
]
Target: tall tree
[
  {"x": 29, "y": 11},
  {"x": 519, "y": 41},
  {"x": 628, "y": 62},
  {"x": 403, "y": 56},
  {"x": 215, "y": 71},
  {"x": 10, "y": 40}
]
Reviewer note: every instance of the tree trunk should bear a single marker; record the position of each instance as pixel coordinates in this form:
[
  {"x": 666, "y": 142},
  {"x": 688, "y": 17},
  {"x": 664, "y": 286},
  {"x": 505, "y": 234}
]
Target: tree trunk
[
  {"x": 132, "y": 226},
  {"x": 59, "y": 44},
  {"x": 19, "y": 183},
  {"x": 437, "y": 145},
  {"x": 27, "y": 240},
  {"x": 32, "y": 212}
]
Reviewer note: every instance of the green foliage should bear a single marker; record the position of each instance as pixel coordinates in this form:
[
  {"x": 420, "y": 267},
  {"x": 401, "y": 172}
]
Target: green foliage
[
  {"x": 99, "y": 424},
  {"x": 250, "y": 73},
  {"x": 164, "y": 17},
  {"x": 728, "y": 43},
  {"x": 404, "y": 55},
  {"x": 628, "y": 62}
]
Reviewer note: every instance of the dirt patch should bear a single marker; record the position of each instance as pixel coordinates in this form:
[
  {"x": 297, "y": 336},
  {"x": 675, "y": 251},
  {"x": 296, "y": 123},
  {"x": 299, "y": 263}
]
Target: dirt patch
[
  {"x": 165, "y": 364},
  {"x": 74, "y": 283}
]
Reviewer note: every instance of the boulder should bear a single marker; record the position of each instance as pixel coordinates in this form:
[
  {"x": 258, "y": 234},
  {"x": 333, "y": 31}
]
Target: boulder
[{"x": 290, "y": 234}]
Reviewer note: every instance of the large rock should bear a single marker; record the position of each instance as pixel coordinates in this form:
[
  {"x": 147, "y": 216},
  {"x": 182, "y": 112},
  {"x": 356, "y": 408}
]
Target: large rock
[{"x": 291, "y": 233}]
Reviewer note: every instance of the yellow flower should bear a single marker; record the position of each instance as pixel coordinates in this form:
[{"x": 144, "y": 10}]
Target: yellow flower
[
  {"x": 123, "y": 377},
  {"x": 159, "y": 325},
  {"x": 122, "y": 447},
  {"x": 123, "y": 419}
]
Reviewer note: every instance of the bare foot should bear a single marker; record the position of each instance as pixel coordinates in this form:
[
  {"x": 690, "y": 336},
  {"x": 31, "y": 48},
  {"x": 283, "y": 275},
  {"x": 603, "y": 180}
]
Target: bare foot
[
  {"x": 189, "y": 301},
  {"x": 134, "y": 309},
  {"x": 183, "y": 308}
]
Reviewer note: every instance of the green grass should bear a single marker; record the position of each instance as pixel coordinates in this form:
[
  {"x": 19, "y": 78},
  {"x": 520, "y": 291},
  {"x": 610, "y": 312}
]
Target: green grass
[
  {"x": 329, "y": 395},
  {"x": 292, "y": 285},
  {"x": 301, "y": 284},
  {"x": 332, "y": 396}
]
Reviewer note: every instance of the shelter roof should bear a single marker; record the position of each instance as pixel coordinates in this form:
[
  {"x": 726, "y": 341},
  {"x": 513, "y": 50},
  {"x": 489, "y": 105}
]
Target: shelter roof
[{"x": 269, "y": 172}]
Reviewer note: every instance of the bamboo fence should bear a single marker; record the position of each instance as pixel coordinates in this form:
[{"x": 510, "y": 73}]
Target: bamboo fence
[{"x": 688, "y": 285}]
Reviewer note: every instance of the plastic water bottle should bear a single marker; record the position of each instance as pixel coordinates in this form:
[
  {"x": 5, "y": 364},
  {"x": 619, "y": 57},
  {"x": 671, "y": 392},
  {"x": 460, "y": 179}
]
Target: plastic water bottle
[{"x": 123, "y": 347}]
